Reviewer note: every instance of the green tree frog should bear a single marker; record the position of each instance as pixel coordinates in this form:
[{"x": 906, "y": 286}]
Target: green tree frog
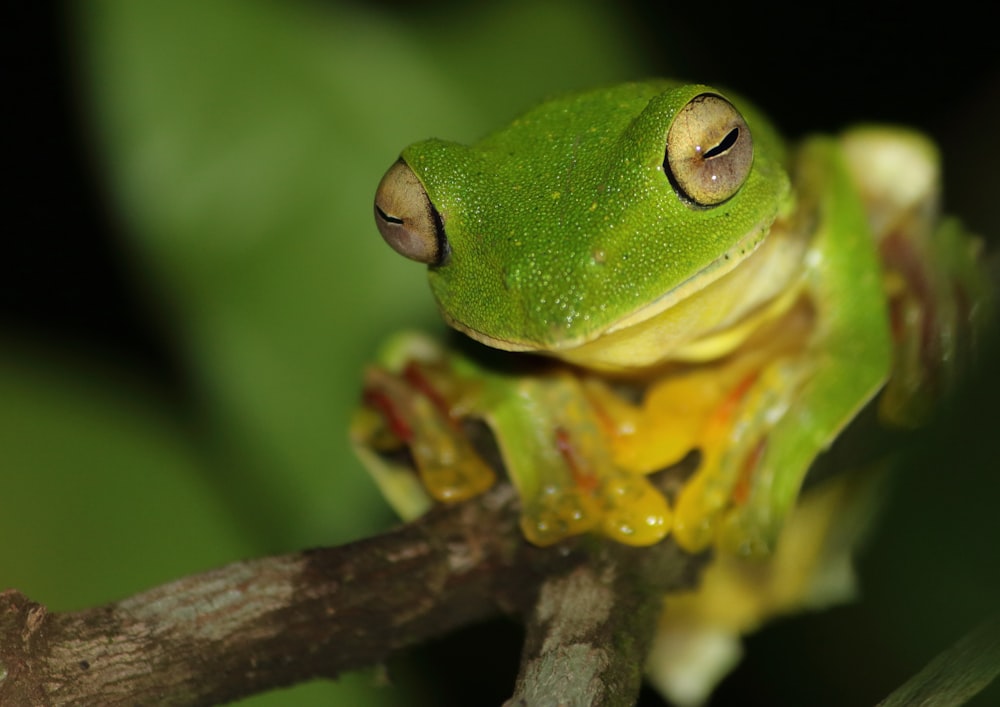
[
  {"x": 662, "y": 275},
  {"x": 690, "y": 283}
]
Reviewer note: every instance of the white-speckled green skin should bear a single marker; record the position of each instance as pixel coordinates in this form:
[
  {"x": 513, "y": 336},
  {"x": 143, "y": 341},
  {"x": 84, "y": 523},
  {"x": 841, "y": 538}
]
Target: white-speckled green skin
[
  {"x": 564, "y": 222},
  {"x": 564, "y": 233}
]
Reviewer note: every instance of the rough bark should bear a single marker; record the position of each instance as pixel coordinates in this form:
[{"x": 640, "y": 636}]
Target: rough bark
[
  {"x": 264, "y": 623},
  {"x": 591, "y": 628}
]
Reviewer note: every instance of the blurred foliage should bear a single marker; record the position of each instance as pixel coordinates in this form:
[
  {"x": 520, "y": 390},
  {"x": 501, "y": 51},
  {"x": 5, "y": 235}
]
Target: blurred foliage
[{"x": 240, "y": 141}]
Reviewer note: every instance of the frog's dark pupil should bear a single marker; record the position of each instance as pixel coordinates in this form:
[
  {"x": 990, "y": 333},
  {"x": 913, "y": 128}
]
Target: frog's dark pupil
[
  {"x": 386, "y": 217},
  {"x": 728, "y": 141}
]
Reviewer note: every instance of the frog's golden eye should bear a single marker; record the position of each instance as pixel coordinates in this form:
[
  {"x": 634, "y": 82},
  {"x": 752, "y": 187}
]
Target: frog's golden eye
[
  {"x": 709, "y": 150},
  {"x": 407, "y": 219}
]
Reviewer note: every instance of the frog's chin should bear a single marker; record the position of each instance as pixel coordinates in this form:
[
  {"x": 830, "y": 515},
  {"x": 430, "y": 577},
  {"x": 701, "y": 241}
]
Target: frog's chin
[{"x": 705, "y": 317}]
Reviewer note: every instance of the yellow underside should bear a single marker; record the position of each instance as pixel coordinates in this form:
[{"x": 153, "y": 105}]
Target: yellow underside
[{"x": 709, "y": 323}]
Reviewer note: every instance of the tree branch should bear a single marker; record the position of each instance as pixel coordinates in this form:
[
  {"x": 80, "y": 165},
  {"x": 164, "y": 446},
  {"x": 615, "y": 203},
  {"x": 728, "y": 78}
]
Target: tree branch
[
  {"x": 271, "y": 622},
  {"x": 591, "y": 627}
]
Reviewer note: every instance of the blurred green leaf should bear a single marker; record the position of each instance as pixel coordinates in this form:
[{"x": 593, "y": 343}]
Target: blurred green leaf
[
  {"x": 104, "y": 492},
  {"x": 106, "y": 495},
  {"x": 243, "y": 141}
]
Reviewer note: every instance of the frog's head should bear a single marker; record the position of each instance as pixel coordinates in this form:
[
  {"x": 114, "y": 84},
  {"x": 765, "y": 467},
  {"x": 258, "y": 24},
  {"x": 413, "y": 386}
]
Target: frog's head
[{"x": 589, "y": 213}]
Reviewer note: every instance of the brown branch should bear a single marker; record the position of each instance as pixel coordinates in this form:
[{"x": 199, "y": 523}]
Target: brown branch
[
  {"x": 591, "y": 628},
  {"x": 271, "y": 622}
]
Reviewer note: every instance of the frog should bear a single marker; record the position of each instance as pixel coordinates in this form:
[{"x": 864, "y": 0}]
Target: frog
[
  {"x": 664, "y": 275},
  {"x": 646, "y": 278}
]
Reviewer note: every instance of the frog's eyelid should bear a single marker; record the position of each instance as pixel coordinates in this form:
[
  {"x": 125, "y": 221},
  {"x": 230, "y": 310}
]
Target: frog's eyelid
[{"x": 443, "y": 244}]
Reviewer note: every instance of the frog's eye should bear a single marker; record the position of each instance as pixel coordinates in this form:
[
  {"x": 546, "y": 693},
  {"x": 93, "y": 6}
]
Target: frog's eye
[
  {"x": 709, "y": 150},
  {"x": 407, "y": 219}
]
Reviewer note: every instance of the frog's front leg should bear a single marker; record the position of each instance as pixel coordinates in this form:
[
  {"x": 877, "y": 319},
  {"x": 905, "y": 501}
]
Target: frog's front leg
[
  {"x": 893, "y": 285},
  {"x": 409, "y": 432},
  {"x": 557, "y": 452},
  {"x": 427, "y": 410},
  {"x": 797, "y": 404}
]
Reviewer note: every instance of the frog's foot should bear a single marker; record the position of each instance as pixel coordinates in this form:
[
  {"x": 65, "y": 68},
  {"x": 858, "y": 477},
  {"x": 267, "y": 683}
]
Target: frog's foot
[
  {"x": 419, "y": 430},
  {"x": 558, "y": 512},
  {"x": 706, "y": 502},
  {"x": 729, "y": 502},
  {"x": 593, "y": 493},
  {"x": 698, "y": 638},
  {"x": 713, "y": 512},
  {"x": 750, "y": 533},
  {"x": 626, "y": 508},
  {"x": 635, "y": 513},
  {"x": 728, "y": 455},
  {"x": 456, "y": 424}
]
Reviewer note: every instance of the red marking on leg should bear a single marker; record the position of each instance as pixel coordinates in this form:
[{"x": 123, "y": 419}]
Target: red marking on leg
[
  {"x": 741, "y": 491},
  {"x": 383, "y": 403},
  {"x": 416, "y": 378},
  {"x": 897, "y": 320},
  {"x": 727, "y": 408},
  {"x": 604, "y": 419},
  {"x": 582, "y": 476},
  {"x": 900, "y": 253}
]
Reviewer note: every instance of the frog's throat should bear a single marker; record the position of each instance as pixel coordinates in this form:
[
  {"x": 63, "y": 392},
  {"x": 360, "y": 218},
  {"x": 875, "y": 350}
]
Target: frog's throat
[{"x": 706, "y": 316}]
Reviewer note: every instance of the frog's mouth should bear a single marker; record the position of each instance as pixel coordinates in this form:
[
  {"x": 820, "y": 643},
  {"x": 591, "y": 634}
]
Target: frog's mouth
[{"x": 704, "y": 317}]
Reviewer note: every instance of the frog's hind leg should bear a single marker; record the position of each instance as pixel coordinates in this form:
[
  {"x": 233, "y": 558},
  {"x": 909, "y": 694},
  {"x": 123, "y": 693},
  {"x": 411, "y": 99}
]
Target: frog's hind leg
[{"x": 940, "y": 296}]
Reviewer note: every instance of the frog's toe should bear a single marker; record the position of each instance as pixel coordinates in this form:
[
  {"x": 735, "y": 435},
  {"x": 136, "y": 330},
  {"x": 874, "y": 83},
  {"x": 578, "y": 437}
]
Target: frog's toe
[
  {"x": 454, "y": 481},
  {"x": 699, "y": 512},
  {"x": 558, "y": 513},
  {"x": 636, "y": 512},
  {"x": 746, "y": 533}
]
